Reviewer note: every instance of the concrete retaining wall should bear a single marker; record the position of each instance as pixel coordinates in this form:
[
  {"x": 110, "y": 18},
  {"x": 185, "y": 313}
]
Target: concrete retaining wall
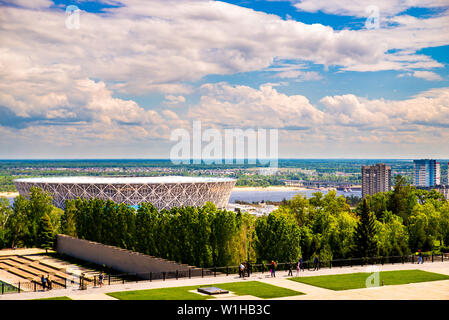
[{"x": 114, "y": 257}]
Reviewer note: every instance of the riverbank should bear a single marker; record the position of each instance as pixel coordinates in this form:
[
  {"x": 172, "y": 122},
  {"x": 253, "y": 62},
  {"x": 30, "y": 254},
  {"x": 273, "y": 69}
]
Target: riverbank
[
  {"x": 9, "y": 194},
  {"x": 276, "y": 188}
]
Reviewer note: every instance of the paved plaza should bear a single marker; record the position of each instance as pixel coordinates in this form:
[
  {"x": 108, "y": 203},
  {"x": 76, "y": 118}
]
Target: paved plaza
[{"x": 434, "y": 290}]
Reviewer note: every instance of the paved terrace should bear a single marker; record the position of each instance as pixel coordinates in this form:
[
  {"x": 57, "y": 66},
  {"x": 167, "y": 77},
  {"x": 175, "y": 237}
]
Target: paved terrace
[{"x": 435, "y": 290}]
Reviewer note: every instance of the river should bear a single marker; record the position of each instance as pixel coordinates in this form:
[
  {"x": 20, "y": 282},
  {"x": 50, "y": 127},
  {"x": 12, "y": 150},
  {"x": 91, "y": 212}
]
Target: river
[{"x": 258, "y": 196}]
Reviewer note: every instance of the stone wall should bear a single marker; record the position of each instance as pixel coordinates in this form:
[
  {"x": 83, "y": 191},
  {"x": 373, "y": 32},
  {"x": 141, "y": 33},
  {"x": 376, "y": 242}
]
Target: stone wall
[{"x": 114, "y": 257}]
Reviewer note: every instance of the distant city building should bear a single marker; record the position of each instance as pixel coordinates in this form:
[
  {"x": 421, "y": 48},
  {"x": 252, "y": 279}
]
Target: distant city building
[
  {"x": 426, "y": 173},
  {"x": 376, "y": 179}
]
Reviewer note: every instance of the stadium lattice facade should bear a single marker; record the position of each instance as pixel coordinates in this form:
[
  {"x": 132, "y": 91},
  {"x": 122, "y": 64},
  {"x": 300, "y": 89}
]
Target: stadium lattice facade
[{"x": 162, "y": 192}]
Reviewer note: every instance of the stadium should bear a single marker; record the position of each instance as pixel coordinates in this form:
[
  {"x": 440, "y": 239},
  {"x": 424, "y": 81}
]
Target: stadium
[{"x": 163, "y": 192}]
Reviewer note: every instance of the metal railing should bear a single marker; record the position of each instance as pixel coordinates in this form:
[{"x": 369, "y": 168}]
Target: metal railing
[{"x": 93, "y": 280}]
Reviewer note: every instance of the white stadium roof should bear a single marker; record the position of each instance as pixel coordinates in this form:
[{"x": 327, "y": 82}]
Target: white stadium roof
[{"x": 123, "y": 180}]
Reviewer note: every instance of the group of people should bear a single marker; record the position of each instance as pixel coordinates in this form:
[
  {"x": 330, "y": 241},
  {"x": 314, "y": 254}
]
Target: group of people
[
  {"x": 245, "y": 267},
  {"x": 46, "y": 282},
  {"x": 299, "y": 266}
]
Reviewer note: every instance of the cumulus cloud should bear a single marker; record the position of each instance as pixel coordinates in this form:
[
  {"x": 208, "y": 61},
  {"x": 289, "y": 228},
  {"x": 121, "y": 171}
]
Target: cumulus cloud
[
  {"x": 137, "y": 48},
  {"x": 174, "y": 100},
  {"x": 360, "y": 8},
  {"x": 294, "y": 71},
  {"x": 426, "y": 110},
  {"x": 427, "y": 75},
  {"x": 239, "y": 106},
  {"x": 345, "y": 119}
]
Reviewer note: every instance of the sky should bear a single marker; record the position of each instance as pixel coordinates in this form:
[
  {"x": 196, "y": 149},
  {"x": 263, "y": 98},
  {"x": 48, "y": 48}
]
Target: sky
[{"x": 115, "y": 79}]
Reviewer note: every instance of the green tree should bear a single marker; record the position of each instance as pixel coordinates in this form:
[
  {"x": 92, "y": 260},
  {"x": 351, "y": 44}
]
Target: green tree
[
  {"x": 5, "y": 213},
  {"x": 39, "y": 204},
  {"x": 423, "y": 227},
  {"x": 338, "y": 237},
  {"x": 278, "y": 238},
  {"x": 300, "y": 208},
  {"x": 224, "y": 226},
  {"x": 16, "y": 226},
  {"x": 444, "y": 223},
  {"x": 45, "y": 233},
  {"x": 392, "y": 235},
  {"x": 365, "y": 244},
  {"x": 402, "y": 199},
  {"x": 424, "y": 196},
  {"x": 379, "y": 203},
  {"x": 68, "y": 219},
  {"x": 146, "y": 231}
]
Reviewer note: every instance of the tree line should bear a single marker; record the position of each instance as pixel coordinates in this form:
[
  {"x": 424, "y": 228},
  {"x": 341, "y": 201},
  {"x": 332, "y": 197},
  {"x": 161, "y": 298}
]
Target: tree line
[
  {"x": 397, "y": 222},
  {"x": 200, "y": 236}
]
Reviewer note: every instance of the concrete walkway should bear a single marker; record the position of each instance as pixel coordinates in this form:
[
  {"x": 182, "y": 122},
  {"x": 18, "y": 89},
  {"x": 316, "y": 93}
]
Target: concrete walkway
[
  {"x": 22, "y": 251},
  {"x": 427, "y": 290}
]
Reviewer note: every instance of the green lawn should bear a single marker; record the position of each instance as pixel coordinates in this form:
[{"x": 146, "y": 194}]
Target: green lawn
[
  {"x": 358, "y": 280},
  {"x": 55, "y": 298},
  {"x": 254, "y": 288}
]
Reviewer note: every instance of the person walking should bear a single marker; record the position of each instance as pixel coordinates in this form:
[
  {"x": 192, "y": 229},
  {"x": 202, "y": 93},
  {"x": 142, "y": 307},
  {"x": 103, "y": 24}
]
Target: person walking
[
  {"x": 298, "y": 268},
  {"x": 316, "y": 263},
  {"x": 301, "y": 266},
  {"x": 100, "y": 279},
  {"x": 273, "y": 269},
  {"x": 290, "y": 270},
  {"x": 49, "y": 282},
  {"x": 248, "y": 268},
  {"x": 43, "y": 282},
  {"x": 242, "y": 270},
  {"x": 420, "y": 257}
]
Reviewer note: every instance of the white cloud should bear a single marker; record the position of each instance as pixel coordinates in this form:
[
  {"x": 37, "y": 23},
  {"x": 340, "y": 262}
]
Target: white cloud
[
  {"x": 225, "y": 105},
  {"x": 427, "y": 75},
  {"x": 359, "y": 8},
  {"x": 174, "y": 100},
  {"x": 344, "y": 119},
  {"x": 160, "y": 47},
  {"x": 294, "y": 71},
  {"x": 426, "y": 110}
]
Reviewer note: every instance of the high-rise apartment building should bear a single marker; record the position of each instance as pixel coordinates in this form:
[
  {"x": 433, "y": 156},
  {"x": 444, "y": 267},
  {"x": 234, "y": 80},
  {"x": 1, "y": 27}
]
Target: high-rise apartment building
[
  {"x": 376, "y": 179},
  {"x": 426, "y": 173}
]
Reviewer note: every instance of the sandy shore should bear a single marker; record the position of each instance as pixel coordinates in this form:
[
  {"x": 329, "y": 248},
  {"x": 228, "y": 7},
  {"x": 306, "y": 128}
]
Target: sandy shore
[
  {"x": 9, "y": 194},
  {"x": 273, "y": 188}
]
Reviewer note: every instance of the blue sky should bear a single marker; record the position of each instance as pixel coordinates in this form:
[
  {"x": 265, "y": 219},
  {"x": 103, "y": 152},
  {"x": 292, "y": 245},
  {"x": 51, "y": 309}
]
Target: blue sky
[{"x": 118, "y": 81}]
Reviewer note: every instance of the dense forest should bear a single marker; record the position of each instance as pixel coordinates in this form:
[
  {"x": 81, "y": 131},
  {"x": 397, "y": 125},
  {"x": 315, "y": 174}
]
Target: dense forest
[{"x": 397, "y": 222}]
